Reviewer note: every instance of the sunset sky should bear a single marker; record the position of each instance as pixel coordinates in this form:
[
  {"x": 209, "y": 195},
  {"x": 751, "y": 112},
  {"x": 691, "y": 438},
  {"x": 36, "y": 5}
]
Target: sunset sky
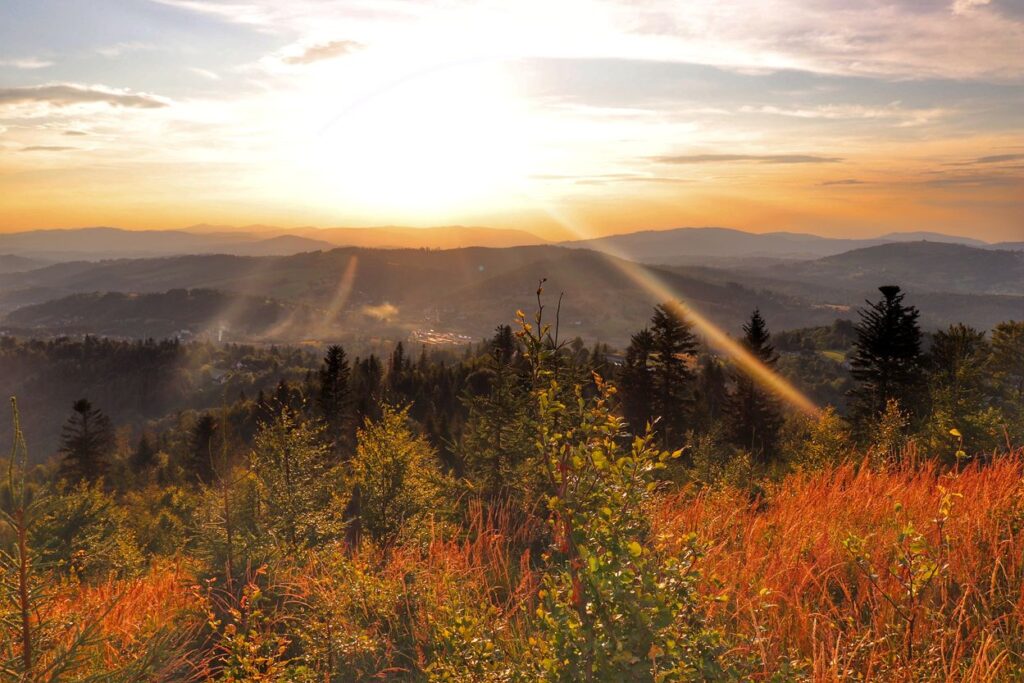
[{"x": 557, "y": 116}]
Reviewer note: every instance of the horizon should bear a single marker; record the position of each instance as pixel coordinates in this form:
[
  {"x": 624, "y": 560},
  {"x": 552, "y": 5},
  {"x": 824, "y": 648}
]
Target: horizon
[
  {"x": 585, "y": 120},
  {"x": 283, "y": 231}
]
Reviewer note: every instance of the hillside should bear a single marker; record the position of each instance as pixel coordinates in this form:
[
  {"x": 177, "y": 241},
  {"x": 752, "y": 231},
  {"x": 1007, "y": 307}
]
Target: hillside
[
  {"x": 105, "y": 242},
  {"x": 179, "y": 312},
  {"x": 10, "y": 263},
  {"x": 724, "y": 246},
  {"x": 929, "y": 266},
  {"x": 466, "y": 290},
  {"x": 461, "y": 290}
]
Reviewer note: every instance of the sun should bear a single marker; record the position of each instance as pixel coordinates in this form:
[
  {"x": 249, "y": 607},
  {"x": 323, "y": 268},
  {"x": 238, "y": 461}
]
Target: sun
[{"x": 446, "y": 140}]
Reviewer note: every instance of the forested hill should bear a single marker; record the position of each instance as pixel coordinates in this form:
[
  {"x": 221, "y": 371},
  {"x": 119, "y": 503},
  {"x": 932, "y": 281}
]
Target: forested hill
[
  {"x": 395, "y": 291},
  {"x": 464, "y": 290}
]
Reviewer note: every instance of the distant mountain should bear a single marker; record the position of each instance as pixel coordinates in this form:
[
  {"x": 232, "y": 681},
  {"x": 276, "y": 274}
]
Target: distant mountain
[
  {"x": 725, "y": 246},
  {"x": 466, "y": 291},
  {"x": 443, "y": 237},
  {"x": 10, "y": 263},
  {"x": 178, "y": 312},
  {"x": 369, "y": 291},
  {"x": 104, "y": 242},
  {"x": 921, "y": 266}
]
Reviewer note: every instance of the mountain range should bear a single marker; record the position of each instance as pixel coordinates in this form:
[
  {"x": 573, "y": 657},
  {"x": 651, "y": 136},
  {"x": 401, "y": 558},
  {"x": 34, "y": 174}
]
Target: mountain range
[
  {"x": 681, "y": 246},
  {"x": 394, "y": 292}
]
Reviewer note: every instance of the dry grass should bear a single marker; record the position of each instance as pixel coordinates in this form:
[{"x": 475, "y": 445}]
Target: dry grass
[{"x": 793, "y": 592}]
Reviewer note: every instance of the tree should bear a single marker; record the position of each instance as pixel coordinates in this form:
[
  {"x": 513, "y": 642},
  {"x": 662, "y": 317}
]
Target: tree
[
  {"x": 674, "y": 346},
  {"x": 887, "y": 363},
  {"x": 636, "y": 381},
  {"x": 958, "y": 386},
  {"x": 86, "y": 440},
  {"x": 1007, "y": 360},
  {"x": 496, "y": 441},
  {"x": 200, "y": 448},
  {"x": 296, "y": 482},
  {"x": 754, "y": 417},
  {"x": 395, "y": 475},
  {"x": 144, "y": 455},
  {"x": 335, "y": 398}
]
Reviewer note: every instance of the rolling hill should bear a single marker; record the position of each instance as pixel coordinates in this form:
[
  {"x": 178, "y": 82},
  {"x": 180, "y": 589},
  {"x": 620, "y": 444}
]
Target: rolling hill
[
  {"x": 469, "y": 291},
  {"x": 725, "y": 246},
  {"x": 105, "y": 243},
  {"x": 923, "y": 266}
]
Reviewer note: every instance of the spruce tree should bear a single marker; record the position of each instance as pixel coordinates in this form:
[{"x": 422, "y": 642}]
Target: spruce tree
[
  {"x": 335, "y": 397},
  {"x": 674, "y": 346},
  {"x": 636, "y": 381},
  {"x": 754, "y": 417},
  {"x": 86, "y": 441},
  {"x": 887, "y": 363},
  {"x": 144, "y": 456},
  {"x": 200, "y": 448}
]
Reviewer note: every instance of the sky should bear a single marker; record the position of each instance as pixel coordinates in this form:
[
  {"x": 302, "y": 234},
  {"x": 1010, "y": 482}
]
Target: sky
[{"x": 562, "y": 117}]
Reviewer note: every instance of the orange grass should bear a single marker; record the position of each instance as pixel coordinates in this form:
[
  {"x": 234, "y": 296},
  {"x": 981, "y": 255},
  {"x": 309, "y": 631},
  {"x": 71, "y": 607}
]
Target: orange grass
[{"x": 792, "y": 592}]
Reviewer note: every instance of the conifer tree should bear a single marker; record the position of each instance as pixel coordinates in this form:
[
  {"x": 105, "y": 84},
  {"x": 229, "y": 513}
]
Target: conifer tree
[
  {"x": 887, "y": 362},
  {"x": 636, "y": 381},
  {"x": 335, "y": 397},
  {"x": 674, "y": 345},
  {"x": 200, "y": 448},
  {"x": 144, "y": 455},
  {"x": 86, "y": 441},
  {"x": 754, "y": 417}
]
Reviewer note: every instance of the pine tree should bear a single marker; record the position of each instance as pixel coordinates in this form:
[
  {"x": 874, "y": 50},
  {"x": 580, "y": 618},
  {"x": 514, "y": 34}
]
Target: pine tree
[
  {"x": 887, "y": 362},
  {"x": 86, "y": 441},
  {"x": 1007, "y": 360},
  {"x": 674, "y": 346},
  {"x": 754, "y": 417},
  {"x": 636, "y": 381},
  {"x": 144, "y": 455},
  {"x": 200, "y": 448},
  {"x": 711, "y": 394},
  {"x": 335, "y": 397}
]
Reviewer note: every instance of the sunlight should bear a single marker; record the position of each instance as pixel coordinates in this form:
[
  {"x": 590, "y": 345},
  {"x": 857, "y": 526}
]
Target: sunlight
[
  {"x": 764, "y": 376},
  {"x": 436, "y": 141}
]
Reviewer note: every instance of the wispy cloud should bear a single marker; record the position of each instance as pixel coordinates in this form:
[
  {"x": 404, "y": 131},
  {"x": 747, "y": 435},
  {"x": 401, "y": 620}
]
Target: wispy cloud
[
  {"x": 46, "y": 148},
  {"x": 118, "y": 49},
  {"x": 205, "y": 73},
  {"x": 66, "y": 94},
  {"x": 755, "y": 158},
  {"x": 844, "y": 181},
  {"x": 323, "y": 51},
  {"x": 27, "y": 63}
]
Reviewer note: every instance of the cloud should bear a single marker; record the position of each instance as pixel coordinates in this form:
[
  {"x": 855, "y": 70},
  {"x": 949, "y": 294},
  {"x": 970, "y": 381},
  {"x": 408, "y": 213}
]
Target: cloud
[
  {"x": 323, "y": 51},
  {"x": 27, "y": 63},
  {"x": 966, "y": 6},
  {"x": 384, "y": 311},
  {"x": 756, "y": 158},
  {"x": 67, "y": 94},
  {"x": 205, "y": 73},
  {"x": 997, "y": 159},
  {"x": 977, "y": 180},
  {"x": 75, "y": 132},
  {"x": 119, "y": 49},
  {"x": 46, "y": 148},
  {"x": 844, "y": 181}
]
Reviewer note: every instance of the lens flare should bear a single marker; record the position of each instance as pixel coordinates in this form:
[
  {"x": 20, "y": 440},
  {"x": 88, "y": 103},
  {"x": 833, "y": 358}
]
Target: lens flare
[{"x": 763, "y": 375}]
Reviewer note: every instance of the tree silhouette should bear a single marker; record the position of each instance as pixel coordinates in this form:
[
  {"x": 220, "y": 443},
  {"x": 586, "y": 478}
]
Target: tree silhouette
[
  {"x": 335, "y": 397},
  {"x": 887, "y": 362},
  {"x": 636, "y": 381},
  {"x": 86, "y": 441},
  {"x": 200, "y": 448},
  {"x": 754, "y": 417},
  {"x": 674, "y": 345}
]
